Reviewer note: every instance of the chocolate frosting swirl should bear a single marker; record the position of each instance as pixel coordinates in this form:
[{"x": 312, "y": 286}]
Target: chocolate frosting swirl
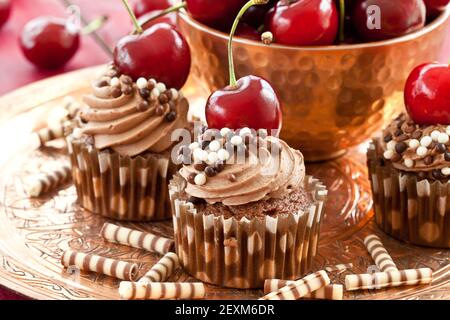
[
  {"x": 119, "y": 124},
  {"x": 274, "y": 177},
  {"x": 402, "y": 138}
]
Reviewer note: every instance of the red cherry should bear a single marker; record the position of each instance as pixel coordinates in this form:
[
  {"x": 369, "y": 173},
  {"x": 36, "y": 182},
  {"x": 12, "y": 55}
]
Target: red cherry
[
  {"x": 251, "y": 103},
  {"x": 435, "y": 7},
  {"x": 5, "y": 10},
  {"x": 142, "y": 7},
  {"x": 397, "y": 18},
  {"x": 248, "y": 32},
  {"x": 146, "y": 20},
  {"x": 159, "y": 52},
  {"x": 427, "y": 94},
  {"x": 305, "y": 22},
  {"x": 255, "y": 15},
  {"x": 214, "y": 13},
  {"x": 49, "y": 42},
  {"x": 248, "y": 102}
]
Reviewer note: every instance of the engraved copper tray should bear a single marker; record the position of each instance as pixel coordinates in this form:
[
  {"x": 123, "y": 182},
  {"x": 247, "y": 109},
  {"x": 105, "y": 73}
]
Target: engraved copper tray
[{"x": 34, "y": 233}]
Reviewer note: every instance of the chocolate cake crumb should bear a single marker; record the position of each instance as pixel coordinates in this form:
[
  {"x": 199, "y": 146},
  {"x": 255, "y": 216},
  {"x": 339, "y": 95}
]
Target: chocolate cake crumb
[{"x": 297, "y": 200}]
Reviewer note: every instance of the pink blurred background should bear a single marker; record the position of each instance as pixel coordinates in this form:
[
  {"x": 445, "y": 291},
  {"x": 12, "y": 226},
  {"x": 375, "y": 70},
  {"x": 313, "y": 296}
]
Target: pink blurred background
[{"x": 15, "y": 71}]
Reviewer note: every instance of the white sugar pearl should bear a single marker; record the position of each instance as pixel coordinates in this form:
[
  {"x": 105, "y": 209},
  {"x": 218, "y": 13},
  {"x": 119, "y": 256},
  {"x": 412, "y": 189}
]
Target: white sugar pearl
[
  {"x": 409, "y": 163},
  {"x": 448, "y": 130},
  {"x": 245, "y": 131},
  {"x": 194, "y": 145},
  {"x": 224, "y": 131},
  {"x": 391, "y": 145},
  {"x": 443, "y": 138},
  {"x": 212, "y": 157},
  {"x": 200, "y": 179},
  {"x": 223, "y": 154},
  {"x": 161, "y": 86},
  {"x": 236, "y": 140},
  {"x": 155, "y": 93},
  {"x": 200, "y": 155},
  {"x": 174, "y": 93},
  {"x": 414, "y": 144},
  {"x": 388, "y": 154},
  {"x": 214, "y": 145},
  {"x": 445, "y": 171},
  {"x": 77, "y": 133},
  {"x": 141, "y": 83},
  {"x": 435, "y": 135},
  {"x": 114, "y": 82},
  {"x": 421, "y": 151},
  {"x": 425, "y": 141}
]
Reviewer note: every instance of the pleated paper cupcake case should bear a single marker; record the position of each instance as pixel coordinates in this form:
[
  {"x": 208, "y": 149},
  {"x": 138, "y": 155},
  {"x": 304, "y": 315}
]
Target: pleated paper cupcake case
[
  {"x": 121, "y": 188},
  {"x": 408, "y": 209},
  {"x": 242, "y": 254}
]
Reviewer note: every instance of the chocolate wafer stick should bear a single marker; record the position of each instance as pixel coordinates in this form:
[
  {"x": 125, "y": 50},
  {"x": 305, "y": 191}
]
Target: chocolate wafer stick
[
  {"x": 300, "y": 288},
  {"x": 136, "y": 239},
  {"x": 379, "y": 254},
  {"x": 161, "y": 290},
  {"x": 386, "y": 279},
  {"x": 339, "y": 267},
  {"x": 47, "y": 182},
  {"x": 328, "y": 292},
  {"x": 90, "y": 262},
  {"x": 162, "y": 269}
]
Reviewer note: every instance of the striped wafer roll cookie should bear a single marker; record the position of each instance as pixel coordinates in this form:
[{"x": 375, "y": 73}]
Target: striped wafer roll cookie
[
  {"x": 161, "y": 290},
  {"x": 339, "y": 267},
  {"x": 328, "y": 292},
  {"x": 47, "y": 182},
  {"x": 54, "y": 132},
  {"x": 90, "y": 262},
  {"x": 162, "y": 269},
  {"x": 300, "y": 288},
  {"x": 379, "y": 254},
  {"x": 136, "y": 239},
  {"x": 380, "y": 280}
]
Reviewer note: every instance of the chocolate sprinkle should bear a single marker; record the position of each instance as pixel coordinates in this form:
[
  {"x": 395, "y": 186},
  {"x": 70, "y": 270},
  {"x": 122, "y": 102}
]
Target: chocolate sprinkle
[
  {"x": 447, "y": 156},
  {"x": 159, "y": 110},
  {"x": 219, "y": 166},
  {"x": 210, "y": 172},
  {"x": 200, "y": 166},
  {"x": 231, "y": 177},
  {"x": 402, "y": 138},
  {"x": 428, "y": 160},
  {"x": 398, "y": 132},
  {"x": 388, "y": 137},
  {"x": 401, "y": 147},
  {"x": 144, "y": 93},
  {"x": 142, "y": 106},
  {"x": 163, "y": 98},
  {"x": 437, "y": 174},
  {"x": 171, "y": 116},
  {"x": 441, "y": 148},
  {"x": 191, "y": 178},
  {"x": 396, "y": 157},
  {"x": 416, "y": 134},
  {"x": 116, "y": 92}
]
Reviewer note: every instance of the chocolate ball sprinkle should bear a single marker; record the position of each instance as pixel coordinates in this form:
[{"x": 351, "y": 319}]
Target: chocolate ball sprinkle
[
  {"x": 398, "y": 132},
  {"x": 116, "y": 92},
  {"x": 219, "y": 166},
  {"x": 142, "y": 106},
  {"x": 159, "y": 110},
  {"x": 101, "y": 83},
  {"x": 171, "y": 116},
  {"x": 396, "y": 157},
  {"x": 191, "y": 178},
  {"x": 204, "y": 144},
  {"x": 387, "y": 137},
  {"x": 125, "y": 79},
  {"x": 144, "y": 93},
  {"x": 200, "y": 166},
  {"x": 401, "y": 147},
  {"x": 422, "y": 175},
  {"x": 409, "y": 129},
  {"x": 127, "y": 90},
  {"x": 447, "y": 156},
  {"x": 231, "y": 177},
  {"x": 402, "y": 138},
  {"x": 210, "y": 171},
  {"x": 163, "y": 98},
  {"x": 428, "y": 160},
  {"x": 441, "y": 148},
  {"x": 150, "y": 85},
  {"x": 437, "y": 174}
]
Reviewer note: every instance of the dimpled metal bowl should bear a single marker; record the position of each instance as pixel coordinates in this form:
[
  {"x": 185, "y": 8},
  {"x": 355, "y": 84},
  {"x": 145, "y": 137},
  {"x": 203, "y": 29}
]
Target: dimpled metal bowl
[{"x": 333, "y": 97}]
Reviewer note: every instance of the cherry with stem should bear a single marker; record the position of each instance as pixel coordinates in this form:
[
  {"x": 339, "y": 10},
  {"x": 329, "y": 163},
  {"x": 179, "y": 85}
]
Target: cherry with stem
[{"x": 248, "y": 102}]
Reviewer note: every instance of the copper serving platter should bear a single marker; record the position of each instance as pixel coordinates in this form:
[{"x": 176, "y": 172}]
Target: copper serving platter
[{"x": 34, "y": 233}]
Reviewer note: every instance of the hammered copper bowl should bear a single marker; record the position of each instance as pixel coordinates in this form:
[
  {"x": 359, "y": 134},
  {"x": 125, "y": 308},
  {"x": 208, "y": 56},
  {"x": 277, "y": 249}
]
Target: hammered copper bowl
[{"x": 333, "y": 97}]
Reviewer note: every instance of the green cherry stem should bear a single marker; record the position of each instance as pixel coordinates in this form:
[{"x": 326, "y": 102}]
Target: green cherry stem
[
  {"x": 94, "y": 25},
  {"x": 230, "y": 39},
  {"x": 342, "y": 20},
  {"x": 164, "y": 12},
  {"x": 137, "y": 27}
]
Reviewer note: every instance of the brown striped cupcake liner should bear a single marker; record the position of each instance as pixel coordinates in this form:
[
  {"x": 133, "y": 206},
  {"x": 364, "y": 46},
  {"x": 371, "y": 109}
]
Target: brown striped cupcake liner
[
  {"x": 118, "y": 187},
  {"x": 243, "y": 253},
  {"x": 408, "y": 209}
]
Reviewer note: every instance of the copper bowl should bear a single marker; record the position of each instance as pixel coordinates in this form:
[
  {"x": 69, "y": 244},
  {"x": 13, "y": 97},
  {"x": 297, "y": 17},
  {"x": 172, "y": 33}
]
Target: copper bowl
[{"x": 333, "y": 97}]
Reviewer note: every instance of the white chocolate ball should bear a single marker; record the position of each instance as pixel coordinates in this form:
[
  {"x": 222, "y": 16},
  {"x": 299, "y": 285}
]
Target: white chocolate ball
[
  {"x": 236, "y": 140},
  {"x": 409, "y": 163},
  {"x": 388, "y": 154},
  {"x": 414, "y": 144},
  {"x": 224, "y": 131},
  {"x": 141, "y": 83},
  {"x": 114, "y": 82},
  {"x": 445, "y": 171},
  {"x": 155, "y": 93},
  {"x": 212, "y": 157},
  {"x": 425, "y": 141},
  {"x": 174, "y": 93},
  {"x": 214, "y": 145},
  {"x": 245, "y": 131},
  {"x": 200, "y": 179},
  {"x": 194, "y": 145},
  {"x": 421, "y": 151},
  {"x": 223, "y": 155},
  {"x": 435, "y": 135},
  {"x": 161, "y": 86},
  {"x": 443, "y": 138},
  {"x": 200, "y": 155},
  {"x": 391, "y": 145}
]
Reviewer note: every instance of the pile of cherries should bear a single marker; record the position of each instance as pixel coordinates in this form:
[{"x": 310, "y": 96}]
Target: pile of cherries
[{"x": 310, "y": 22}]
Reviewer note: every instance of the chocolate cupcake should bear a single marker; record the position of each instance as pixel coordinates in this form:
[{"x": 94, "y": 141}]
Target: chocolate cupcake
[
  {"x": 409, "y": 170},
  {"x": 244, "y": 210},
  {"x": 121, "y": 153}
]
